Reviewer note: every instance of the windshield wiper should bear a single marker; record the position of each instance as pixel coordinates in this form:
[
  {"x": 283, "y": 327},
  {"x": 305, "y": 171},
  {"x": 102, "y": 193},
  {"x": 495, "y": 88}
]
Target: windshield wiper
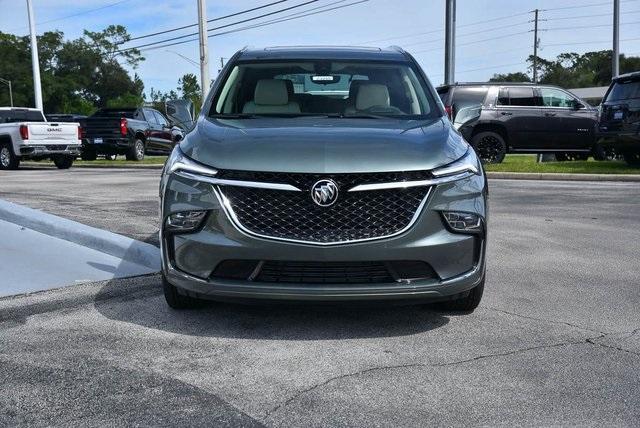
[{"x": 233, "y": 116}]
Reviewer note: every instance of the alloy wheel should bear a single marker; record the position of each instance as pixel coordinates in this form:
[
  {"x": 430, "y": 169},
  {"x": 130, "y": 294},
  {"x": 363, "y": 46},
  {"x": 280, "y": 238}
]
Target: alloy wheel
[
  {"x": 489, "y": 149},
  {"x": 5, "y": 157}
]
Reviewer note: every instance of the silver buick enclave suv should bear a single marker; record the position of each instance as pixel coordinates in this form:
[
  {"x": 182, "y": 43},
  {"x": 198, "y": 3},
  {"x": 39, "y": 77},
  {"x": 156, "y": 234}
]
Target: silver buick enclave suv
[{"x": 323, "y": 174}]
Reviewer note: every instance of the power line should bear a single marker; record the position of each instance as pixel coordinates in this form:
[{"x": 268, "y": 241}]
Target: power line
[
  {"x": 242, "y": 12},
  {"x": 587, "y": 43},
  {"x": 84, "y": 12},
  {"x": 599, "y": 15},
  {"x": 585, "y": 5},
  {"x": 439, "y": 30},
  {"x": 222, "y": 26},
  {"x": 589, "y": 26},
  {"x": 262, "y": 24},
  {"x": 466, "y": 34}
]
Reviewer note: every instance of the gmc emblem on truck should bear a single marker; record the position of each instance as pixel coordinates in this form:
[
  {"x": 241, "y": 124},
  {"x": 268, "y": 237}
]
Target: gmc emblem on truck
[{"x": 54, "y": 129}]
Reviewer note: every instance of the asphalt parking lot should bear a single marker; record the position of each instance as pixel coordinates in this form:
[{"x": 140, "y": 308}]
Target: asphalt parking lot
[{"x": 556, "y": 340}]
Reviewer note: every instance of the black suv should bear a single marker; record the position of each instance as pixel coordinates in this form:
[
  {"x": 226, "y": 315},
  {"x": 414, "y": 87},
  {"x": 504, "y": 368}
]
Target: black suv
[
  {"x": 619, "y": 127},
  {"x": 500, "y": 118}
]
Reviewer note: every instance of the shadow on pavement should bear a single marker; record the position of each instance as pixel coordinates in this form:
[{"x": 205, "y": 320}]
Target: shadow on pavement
[{"x": 140, "y": 301}]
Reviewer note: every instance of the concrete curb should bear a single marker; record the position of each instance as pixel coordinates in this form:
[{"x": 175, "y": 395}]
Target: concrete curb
[
  {"x": 97, "y": 239},
  {"x": 563, "y": 176},
  {"x": 99, "y": 166}
]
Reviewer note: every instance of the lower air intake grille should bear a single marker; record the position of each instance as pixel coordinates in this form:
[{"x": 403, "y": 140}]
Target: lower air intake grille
[
  {"x": 325, "y": 272},
  {"x": 301, "y": 272}
]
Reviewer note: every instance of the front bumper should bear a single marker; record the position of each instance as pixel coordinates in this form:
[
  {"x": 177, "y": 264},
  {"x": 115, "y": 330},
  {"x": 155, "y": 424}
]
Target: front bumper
[{"x": 458, "y": 259}]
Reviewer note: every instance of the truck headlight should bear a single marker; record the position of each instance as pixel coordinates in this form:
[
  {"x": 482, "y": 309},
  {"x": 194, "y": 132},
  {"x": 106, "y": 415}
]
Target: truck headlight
[{"x": 463, "y": 222}]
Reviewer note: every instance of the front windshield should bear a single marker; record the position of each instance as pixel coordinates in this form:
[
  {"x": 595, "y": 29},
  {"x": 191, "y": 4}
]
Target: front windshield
[{"x": 331, "y": 88}]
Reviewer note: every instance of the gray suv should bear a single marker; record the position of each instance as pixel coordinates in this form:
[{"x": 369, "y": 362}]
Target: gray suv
[{"x": 323, "y": 174}]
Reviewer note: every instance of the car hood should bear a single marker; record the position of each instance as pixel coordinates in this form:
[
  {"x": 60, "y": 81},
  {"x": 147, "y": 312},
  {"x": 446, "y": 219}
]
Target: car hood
[{"x": 326, "y": 145}]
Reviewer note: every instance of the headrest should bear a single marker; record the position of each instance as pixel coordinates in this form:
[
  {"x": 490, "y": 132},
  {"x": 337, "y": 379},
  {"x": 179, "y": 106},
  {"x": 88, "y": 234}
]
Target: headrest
[
  {"x": 370, "y": 95},
  {"x": 272, "y": 92},
  {"x": 290, "y": 90},
  {"x": 353, "y": 88}
]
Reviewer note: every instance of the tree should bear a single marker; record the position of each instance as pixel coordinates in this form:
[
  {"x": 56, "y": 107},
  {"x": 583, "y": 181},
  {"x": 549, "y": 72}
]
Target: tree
[
  {"x": 77, "y": 75},
  {"x": 510, "y": 77},
  {"x": 189, "y": 88},
  {"x": 573, "y": 70}
]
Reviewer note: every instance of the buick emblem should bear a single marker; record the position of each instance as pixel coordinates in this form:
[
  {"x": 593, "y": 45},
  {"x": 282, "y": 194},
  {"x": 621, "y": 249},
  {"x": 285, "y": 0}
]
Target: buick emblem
[{"x": 324, "y": 193}]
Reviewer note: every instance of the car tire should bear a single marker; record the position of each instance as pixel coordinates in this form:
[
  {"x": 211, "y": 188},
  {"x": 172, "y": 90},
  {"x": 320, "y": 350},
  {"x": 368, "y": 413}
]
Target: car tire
[
  {"x": 136, "y": 152},
  {"x": 490, "y": 146},
  {"x": 465, "y": 304},
  {"x": 63, "y": 162},
  {"x": 88, "y": 155},
  {"x": 632, "y": 159},
  {"x": 176, "y": 300},
  {"x": 7, "y": 159}
]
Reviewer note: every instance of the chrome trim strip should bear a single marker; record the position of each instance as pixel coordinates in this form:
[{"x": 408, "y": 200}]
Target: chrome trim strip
[
  {"x": 407, "y": 184},
  {"x": 226, "y": 204},
  {"x": 237, "y": 183}
]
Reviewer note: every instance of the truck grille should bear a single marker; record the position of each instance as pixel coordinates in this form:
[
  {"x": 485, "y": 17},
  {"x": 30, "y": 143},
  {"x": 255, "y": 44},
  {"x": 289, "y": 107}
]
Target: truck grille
[{"x": 355, "y": 216}]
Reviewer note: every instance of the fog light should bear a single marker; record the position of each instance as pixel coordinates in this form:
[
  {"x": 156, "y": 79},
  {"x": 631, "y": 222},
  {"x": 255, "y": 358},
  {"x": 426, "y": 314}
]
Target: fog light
[
  {"x": 463, "y": 222},
  {"x": 185, "y": 221}
]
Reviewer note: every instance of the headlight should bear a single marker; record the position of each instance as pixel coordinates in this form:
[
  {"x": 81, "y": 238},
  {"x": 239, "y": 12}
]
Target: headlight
[
  {"x": 178, "y": 161},
  {"x": 463, "y": 222},
  {"x": 467, "y": 164}
]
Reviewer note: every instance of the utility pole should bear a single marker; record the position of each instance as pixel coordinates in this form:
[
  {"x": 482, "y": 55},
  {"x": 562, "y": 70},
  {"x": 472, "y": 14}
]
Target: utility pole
[
  {"x": 8, "y": 82},
  {"x": 204, "y": 49},
  {"x": 535, "y": 47},
  {"x": 450, "y": 42},
  {"x": 37, "y": 88},
  {"x": 615, "y": 65}
]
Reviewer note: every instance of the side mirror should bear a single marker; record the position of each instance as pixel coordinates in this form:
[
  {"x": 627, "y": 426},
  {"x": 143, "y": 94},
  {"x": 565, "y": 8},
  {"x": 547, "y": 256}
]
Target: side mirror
[{"x": 577, "y": 105}]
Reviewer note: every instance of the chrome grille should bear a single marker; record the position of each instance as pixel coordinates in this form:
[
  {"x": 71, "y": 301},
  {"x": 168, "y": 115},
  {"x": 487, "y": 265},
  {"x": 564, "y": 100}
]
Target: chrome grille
[{"x": 293, "y": 216}]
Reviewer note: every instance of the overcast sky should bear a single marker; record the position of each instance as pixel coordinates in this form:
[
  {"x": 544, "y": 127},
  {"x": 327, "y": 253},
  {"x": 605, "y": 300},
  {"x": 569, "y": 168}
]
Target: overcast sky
[{"x": 487, "y": 44}]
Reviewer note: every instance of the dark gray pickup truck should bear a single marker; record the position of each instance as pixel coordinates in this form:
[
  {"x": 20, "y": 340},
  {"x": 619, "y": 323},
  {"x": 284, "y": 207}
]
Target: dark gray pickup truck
[{"x": 128, "y": 131}]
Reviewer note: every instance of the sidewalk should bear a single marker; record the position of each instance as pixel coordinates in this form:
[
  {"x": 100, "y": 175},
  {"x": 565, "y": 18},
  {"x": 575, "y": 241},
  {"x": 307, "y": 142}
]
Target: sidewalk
[{"x": 39, "y": 251}]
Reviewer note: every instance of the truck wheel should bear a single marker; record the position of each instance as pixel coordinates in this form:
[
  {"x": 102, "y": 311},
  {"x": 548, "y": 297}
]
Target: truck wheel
[
  {"x": 63, "y": 162},
  {"x": 176, "y": 300},
  {"x": 7, "y": 159},
  {"x": 601, "y": 153},
  {"x": 136, "y": 153},
  {"x": 466, "y": 304},
  {"x": 89, "y": 155},
  {"x": 569, "y": 156},
  {"x": 490, "y": 146},
  {"x": 632, "y": 158}
]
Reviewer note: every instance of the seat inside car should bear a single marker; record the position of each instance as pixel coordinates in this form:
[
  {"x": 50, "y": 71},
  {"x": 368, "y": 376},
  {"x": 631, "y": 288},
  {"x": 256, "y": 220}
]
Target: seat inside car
[
  {"x": 370, "y": 95},
  {"x": 271, "y": 96}
]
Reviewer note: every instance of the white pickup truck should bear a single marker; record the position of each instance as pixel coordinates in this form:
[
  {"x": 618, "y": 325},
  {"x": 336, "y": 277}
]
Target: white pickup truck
[{"x": 25, "y": 134}]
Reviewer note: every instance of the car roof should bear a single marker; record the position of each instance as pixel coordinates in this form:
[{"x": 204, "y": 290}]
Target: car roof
[
  {"x": 19, "y": 108},
  {"x": 627, "y": 76},
  {"x": 391, "y": 53},
  {"x": 472, "y": 84}
]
